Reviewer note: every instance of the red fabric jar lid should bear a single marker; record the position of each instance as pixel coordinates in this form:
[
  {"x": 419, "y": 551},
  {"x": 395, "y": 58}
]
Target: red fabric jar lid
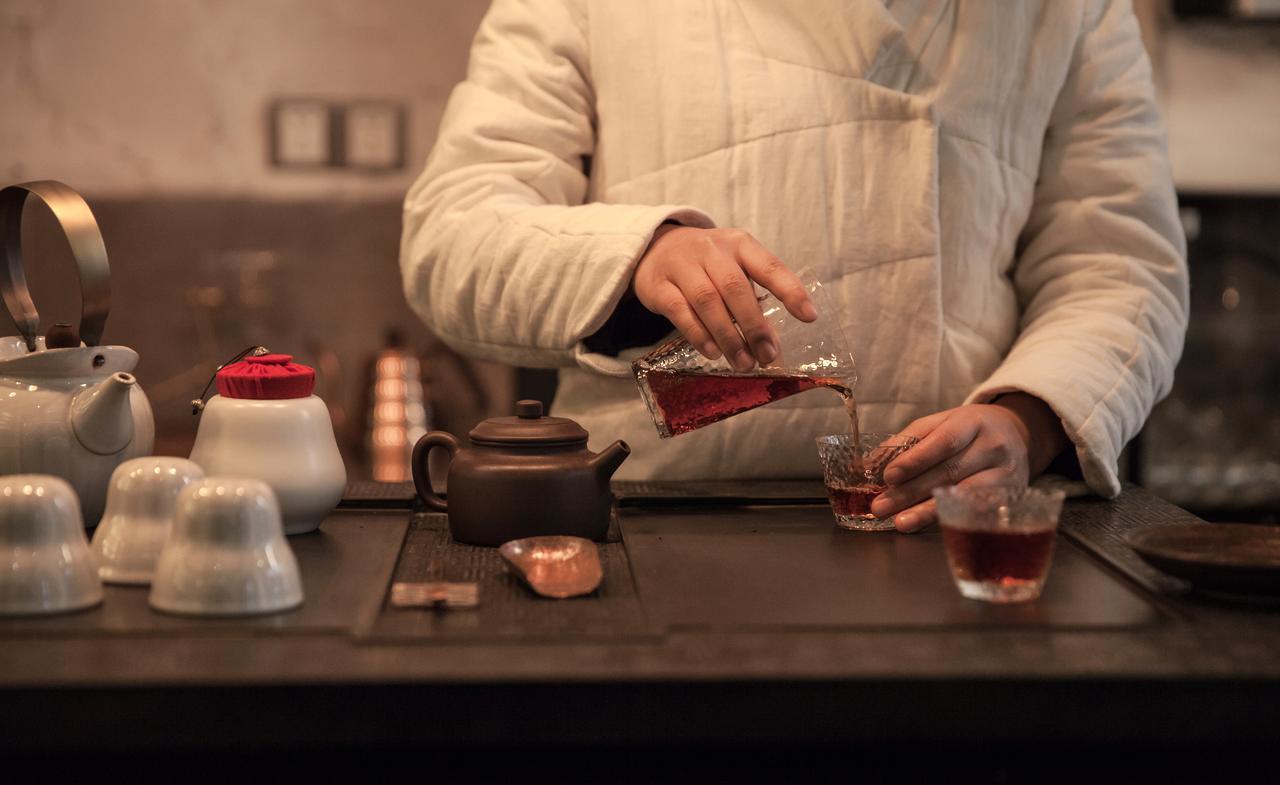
[{"x": 266, "y": 378}]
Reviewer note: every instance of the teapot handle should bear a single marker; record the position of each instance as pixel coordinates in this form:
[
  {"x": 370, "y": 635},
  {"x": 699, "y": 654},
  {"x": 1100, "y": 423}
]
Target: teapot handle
[
  {"x": 77, "y": 222},
  {"x": 422, "y": 467}
]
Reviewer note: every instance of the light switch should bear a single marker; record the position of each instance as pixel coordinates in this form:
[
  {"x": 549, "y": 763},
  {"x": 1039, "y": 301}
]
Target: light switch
[
  {"x": 374, "y": 135},
  {"x": 301, "y": 133}
]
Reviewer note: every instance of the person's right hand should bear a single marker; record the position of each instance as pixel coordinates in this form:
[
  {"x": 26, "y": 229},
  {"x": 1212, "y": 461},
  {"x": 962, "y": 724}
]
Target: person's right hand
[{"x": 701, "y": 280}]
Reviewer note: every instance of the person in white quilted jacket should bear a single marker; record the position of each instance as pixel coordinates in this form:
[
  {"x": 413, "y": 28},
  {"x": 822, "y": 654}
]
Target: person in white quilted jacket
[{"x": 983, "y": 187}]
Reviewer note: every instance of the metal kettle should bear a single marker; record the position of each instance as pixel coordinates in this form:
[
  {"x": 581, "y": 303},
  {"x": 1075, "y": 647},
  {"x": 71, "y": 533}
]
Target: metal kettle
[{"x": 68, "y": 406}]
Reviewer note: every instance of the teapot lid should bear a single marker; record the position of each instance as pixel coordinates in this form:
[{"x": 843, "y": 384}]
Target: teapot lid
[
  {"x": 266, "y": 377},
  {"x": 529, "y": 427}
]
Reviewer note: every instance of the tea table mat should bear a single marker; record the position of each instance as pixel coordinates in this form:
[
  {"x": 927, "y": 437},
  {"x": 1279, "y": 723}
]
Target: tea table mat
[
  {"x": 508, "y": 610},
  {"x": 345, "y": 566},
  {"x": 790, "y": 567},
  {"x": 654, "y": 493}
]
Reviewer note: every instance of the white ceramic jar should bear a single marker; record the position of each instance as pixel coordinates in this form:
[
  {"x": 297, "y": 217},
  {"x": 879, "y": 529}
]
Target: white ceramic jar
[{"x": 286, "y": 442}]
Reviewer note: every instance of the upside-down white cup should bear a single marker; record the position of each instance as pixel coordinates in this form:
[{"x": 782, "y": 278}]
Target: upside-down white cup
[
  {"x": 141, "y": 501},
  {"x": 45, "y": 563},
  {"x": 226, "y": 554}
]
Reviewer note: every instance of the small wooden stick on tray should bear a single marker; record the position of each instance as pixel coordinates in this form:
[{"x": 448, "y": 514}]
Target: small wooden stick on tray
[{"x": 435, "y": 594}]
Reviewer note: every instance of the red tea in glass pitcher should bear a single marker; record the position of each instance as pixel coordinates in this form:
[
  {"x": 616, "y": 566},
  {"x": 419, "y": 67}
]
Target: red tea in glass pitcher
[
  {"x": 687, "y": 400},
  {"x": 686, "y": 391}
]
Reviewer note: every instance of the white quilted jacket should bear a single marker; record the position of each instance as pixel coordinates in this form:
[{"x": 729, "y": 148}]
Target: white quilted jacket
[{"x": 984, "y": 187}]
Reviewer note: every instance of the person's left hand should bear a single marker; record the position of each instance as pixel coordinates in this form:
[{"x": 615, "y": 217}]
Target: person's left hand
[{"x": 979, "y": 444}]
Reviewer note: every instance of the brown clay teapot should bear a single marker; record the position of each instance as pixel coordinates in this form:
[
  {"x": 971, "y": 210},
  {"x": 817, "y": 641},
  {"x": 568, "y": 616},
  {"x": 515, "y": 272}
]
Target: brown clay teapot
[{"x": 522, "y": 476}]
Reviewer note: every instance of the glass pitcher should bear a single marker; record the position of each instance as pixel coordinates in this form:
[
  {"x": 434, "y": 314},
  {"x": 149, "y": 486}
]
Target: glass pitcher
[{"x": 686, "y": 391}]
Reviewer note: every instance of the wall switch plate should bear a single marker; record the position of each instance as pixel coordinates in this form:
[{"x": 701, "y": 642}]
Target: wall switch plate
[
  {"x": 373, "y": 135},
  {"x": 314, "y": 133},
  {"x": 302, "y": 132}
]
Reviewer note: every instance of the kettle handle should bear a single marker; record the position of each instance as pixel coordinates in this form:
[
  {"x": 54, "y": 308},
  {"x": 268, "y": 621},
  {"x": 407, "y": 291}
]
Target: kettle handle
[
  {"x": 422, "y": 468},
  {"x": 78, "y": 224}
]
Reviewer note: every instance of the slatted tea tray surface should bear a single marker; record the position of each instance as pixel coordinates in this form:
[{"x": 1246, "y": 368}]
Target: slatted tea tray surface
[
  {"x": 508, "y": 610},
  {"x": 1101, "y": 525},
  {"x": 371, "y": 495}
]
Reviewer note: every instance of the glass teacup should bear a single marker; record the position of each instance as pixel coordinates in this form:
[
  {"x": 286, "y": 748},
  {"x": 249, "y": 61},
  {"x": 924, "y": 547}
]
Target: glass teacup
[
  {"x": 999, "y": 539},
  {"x": 853, "y": 470}
]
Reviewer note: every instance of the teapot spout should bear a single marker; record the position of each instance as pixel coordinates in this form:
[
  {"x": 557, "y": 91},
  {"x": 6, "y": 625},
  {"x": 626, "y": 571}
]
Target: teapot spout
[
  {"x": 607, "y": 461},
  {"x": 101, "y": 417}
]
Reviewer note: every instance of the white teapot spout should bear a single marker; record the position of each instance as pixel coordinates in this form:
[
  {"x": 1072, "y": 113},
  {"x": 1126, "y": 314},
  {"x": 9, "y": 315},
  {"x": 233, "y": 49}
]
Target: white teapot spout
[{"x": 101, "y": 417}]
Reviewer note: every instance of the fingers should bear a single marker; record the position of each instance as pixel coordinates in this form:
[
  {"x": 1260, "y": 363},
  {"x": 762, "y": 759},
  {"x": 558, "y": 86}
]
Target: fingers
[
  {"x": 925, "y": 514},
  {"x": 769, "y": 271},
  {"x": 738, "y": 293},
  {"x": 699, "y": 290},
  {"x": 717, "y": 309},
  {"x": 948, "y": 438},
  {"x": 951, "y": 471},
  {"x": 675, "y": 307},
  {"x": 919, "y": 517}
]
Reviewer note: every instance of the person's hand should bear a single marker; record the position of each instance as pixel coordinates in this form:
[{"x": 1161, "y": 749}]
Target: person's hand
[
  {"x": 1007, "y": 442},
  {"x": 700, "y": 280}
]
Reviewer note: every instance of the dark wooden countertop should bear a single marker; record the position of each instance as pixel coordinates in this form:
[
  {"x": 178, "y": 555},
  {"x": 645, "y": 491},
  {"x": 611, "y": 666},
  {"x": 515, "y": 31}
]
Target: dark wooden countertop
[{"x": 720, "y": 623}]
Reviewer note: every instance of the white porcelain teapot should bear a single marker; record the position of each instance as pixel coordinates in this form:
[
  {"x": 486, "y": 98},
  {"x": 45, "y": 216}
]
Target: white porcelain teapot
[{"x": 68, "y": 407}]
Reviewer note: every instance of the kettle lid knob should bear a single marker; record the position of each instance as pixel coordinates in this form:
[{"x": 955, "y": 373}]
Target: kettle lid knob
[
  {"x": 61, "y": 336},
  {"x": 528, "y": 410}
]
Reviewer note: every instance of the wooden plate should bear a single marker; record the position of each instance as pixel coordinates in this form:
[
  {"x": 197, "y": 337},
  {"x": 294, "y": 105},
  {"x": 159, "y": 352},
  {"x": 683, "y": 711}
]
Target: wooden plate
[{"x": 1232, "y": 558}]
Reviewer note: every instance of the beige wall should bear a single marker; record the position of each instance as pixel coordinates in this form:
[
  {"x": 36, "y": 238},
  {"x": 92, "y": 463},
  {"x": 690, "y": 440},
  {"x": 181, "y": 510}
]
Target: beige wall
[
  {"x": 131, "y": 98},
  {"x": 1219, "y": 87},
  {"x": 1221, "y": 91},
  {"x": 156, "y": 110},
  {"x": 127, "y": 98}
]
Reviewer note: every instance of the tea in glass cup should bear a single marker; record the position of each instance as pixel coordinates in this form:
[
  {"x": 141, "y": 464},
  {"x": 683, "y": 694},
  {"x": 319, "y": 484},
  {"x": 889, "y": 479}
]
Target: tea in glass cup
[
  {"x": 999, "y": 539},
  {"x": 853, "y": 470}
]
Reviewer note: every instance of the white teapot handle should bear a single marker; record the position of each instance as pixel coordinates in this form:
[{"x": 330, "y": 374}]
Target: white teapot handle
[{"x": 77, "y": 222}]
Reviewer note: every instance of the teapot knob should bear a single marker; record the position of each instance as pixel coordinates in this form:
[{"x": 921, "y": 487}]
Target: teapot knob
[{"x": 528, "y": 410}]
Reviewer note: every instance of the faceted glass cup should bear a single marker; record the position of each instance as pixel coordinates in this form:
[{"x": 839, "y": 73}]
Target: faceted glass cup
[
  {"x": 686, "y": 391},
  {"x": 854, "y": 475},
  {"x": 999, "y": 539}
]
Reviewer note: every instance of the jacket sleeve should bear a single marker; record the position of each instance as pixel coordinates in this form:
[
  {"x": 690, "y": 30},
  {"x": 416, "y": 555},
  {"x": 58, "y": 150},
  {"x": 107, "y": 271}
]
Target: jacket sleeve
[
  {"x": 499, "y": 255},
  {"x": 1102, "y": 273}
]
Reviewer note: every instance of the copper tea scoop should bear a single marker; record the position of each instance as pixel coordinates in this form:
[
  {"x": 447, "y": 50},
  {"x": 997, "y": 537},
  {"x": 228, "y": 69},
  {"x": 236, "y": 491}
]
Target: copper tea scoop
[{"x": 556, "y": 567}]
